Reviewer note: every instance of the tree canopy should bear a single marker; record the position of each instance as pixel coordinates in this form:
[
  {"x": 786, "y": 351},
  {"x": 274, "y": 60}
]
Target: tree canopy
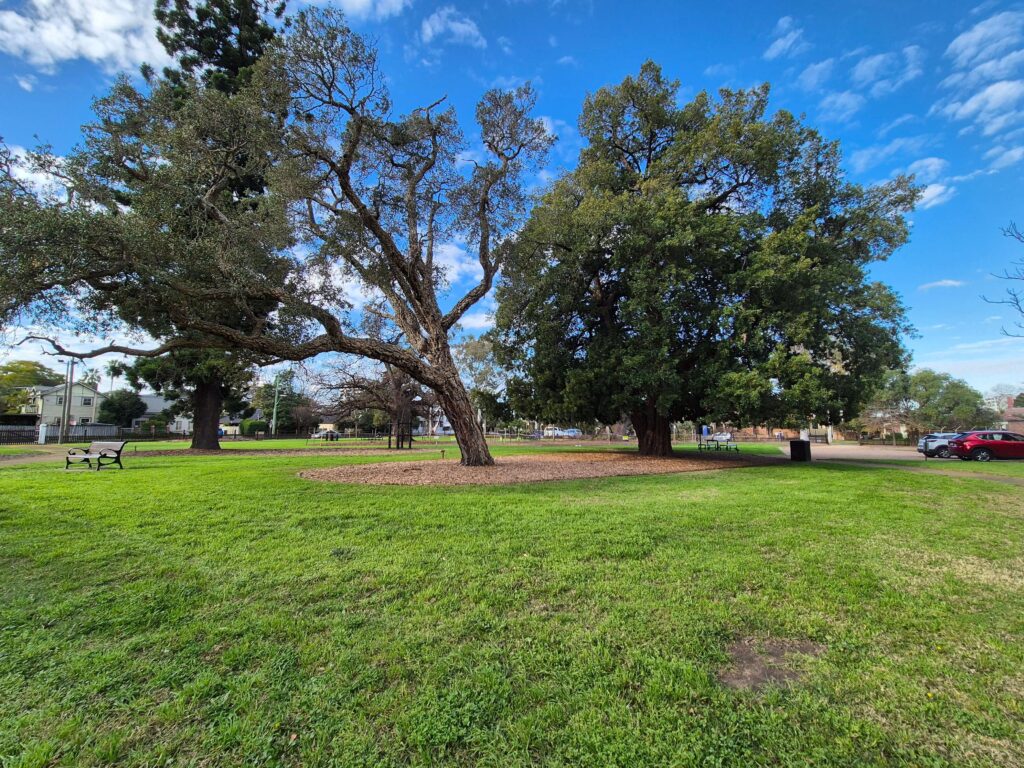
[
  {"x": 926, "y": 401},
  {"x": 703, "y": 261},
  {"x": 18, "y": 374},
  {"x": 121, "y": 407},
  {"x": 353, "y": 194}
]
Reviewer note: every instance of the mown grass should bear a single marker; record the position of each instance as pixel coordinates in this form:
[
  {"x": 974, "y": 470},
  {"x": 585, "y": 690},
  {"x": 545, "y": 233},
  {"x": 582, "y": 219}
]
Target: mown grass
[
  {"x": 1008, "y": 468},
  {"x": 15, "y": 450},
  {"x": 222, "y": 611}
]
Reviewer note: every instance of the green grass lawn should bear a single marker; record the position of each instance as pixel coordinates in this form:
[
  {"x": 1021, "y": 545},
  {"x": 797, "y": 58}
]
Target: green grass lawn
[
  {"x": 224, "y": 612},
  {"x": 1007, "y": 468},
  {"x": 16, "y": 450}
]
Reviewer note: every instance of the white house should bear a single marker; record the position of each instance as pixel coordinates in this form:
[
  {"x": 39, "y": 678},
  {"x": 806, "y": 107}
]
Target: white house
[{"x": 47, "y": 403}]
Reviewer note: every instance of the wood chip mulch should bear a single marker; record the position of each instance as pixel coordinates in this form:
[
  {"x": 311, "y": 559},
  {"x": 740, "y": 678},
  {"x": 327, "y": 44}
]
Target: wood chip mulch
[
  {"x": 522, "y": 469},
  {"x": 285, "y": 452}
]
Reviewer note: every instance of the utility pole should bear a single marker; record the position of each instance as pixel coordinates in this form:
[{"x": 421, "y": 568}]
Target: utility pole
[
  {"x": 273, "y": 419},
  {"x": 65, "y": 412}
]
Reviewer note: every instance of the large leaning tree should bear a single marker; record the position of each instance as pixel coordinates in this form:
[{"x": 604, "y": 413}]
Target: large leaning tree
[
  {"x": 704, "y": 261},
  {"x": 354, "y": 196}
]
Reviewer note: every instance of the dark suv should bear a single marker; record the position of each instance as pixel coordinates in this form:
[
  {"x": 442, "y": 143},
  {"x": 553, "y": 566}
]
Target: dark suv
[{"x": 987, "y": 444}]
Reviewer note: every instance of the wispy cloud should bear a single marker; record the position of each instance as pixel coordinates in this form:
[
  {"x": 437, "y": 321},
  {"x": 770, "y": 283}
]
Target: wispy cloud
[
  {"x": 942, "y": 284},
  {"x": 842, "y": 106},
  {"x": 928, "y": 169},
  {"x": 568, "y": 61},
  {"x": 788, "y": 40},
  {"x": 815, "y": 75},
  {"x": 448, "y": 25},
  {"x": 936, "y": 194},
  {"x": 869, "y": 157},
  {"x": 885, "y": 73}
]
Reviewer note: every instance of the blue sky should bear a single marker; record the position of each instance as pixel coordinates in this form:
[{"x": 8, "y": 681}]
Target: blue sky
[{"x": 930, "y": 87}]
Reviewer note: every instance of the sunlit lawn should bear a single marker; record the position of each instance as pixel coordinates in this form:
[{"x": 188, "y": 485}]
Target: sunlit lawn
[{"x": 225, "y": 612}]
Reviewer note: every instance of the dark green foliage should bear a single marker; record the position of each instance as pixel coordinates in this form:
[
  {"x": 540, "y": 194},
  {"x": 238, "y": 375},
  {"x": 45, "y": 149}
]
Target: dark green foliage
[
  {"x": 16, "y": 374},
  {"x": 176, "y": 374},
  {"x": 121, "y": 408},
  {"x": 926, "y": 401},
  {"x": 218, "y": 41},
  {"x": 704, "y": 261},
  {"x": 251, "y": 427}
]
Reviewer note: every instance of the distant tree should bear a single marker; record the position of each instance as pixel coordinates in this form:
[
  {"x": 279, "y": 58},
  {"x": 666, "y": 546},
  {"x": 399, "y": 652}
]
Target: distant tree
[
  {"x": 289, "y": 399},
  {"x": 392, "y": 398},
  {"x": 925, "y": 401},
  {"x": 121, "y": 407},
  {"x": 198, "y": 384},
  {"x": 703, "y": 261},
  {"x": 946, "y": 403},
  {"x": 90, "y": 377},
  {"x": 17, "y": 374}
]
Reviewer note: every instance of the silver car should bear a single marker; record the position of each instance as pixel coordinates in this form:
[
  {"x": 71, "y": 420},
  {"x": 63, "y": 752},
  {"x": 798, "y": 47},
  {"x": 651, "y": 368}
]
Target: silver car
[{"x": 936, "y": 444}]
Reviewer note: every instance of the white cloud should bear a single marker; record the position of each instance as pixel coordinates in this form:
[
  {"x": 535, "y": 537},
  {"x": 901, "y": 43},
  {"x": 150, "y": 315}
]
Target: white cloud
[
  {"x": 992, "y": 108},
  {"x": 477, "y": 321},
  {"x": 447, "y": 25},
  {"x": 506, "y": 45},
  {"x": 892, "y": 125},
  {"x": 942, "y": 284},
  {"x": 987, "y": 39},
  {"x": 788, "y": 40},
  {"x": 840, "y": 107},
  {"x": 568, "y": 61},
  {"x": 986, "y": 89},
  {"x": 885, "y": 73},
  {"x": 719, "y": 70},
  {"x": 115, "y": 34},
  {"x": 1001, "y": 157},
  {"x": 815, "y": 75},
  {"x": 863, "y": 159},
  {"x": 928, "y": 169},
  {"x": 372, "y": 9},
  {"x": 936, "y": 194},
  {"x": 456, "y": 263},
  {"x": 25, "y": 82}
]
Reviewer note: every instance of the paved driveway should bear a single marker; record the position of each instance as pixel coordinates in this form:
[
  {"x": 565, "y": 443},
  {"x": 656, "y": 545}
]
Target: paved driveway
[{"x": 864, "y": 452}]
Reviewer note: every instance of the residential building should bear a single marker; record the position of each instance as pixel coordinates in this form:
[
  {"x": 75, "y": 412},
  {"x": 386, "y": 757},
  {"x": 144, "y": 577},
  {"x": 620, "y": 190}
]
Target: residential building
[{"x": 47, "y": 403}]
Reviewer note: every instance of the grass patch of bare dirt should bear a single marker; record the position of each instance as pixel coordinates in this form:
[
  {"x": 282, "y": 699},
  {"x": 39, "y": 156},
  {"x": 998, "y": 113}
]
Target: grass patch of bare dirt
[{"x": 524, "y": 469}]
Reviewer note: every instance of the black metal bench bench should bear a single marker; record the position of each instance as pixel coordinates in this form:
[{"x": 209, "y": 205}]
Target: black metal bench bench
[{"x": 103, "y": 453}]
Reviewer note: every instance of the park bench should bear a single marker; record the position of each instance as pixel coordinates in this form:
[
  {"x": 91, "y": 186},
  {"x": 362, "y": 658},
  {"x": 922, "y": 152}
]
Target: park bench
[
  {"x": 104, "y": 453},
  {"x": 720, "y": 441}
]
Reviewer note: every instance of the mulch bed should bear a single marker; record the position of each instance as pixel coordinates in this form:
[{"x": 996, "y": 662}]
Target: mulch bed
[
  {"x": 286, "y": 452},
  {"x": 522, "y": 469}
]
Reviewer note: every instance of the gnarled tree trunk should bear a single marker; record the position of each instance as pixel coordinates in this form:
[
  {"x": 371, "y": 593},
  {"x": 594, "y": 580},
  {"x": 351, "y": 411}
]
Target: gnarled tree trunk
[
  {"x": 653, "y": 431},
  {"x": 461, "y": 415},
  {"x": 209, "y": 399}
]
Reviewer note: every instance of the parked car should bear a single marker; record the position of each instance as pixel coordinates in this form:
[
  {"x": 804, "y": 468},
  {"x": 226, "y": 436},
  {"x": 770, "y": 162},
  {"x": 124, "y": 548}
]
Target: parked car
[
  {"x": 987, "y": 444},
  {"x": 573, "y": 433},
  {"x": 936, "y": 444},
  {"x": 325, "y": 434}
]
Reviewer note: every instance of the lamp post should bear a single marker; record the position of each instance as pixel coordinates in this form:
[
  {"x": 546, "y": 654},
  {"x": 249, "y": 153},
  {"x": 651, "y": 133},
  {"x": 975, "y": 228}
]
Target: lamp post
[
  {"x": 65, "y": 411},
  {"x": 273, "y": 418}
]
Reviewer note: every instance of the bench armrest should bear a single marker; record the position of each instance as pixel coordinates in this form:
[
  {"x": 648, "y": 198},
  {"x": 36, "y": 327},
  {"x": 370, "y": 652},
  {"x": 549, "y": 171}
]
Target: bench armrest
[
  {"x": 109, "y": 453},
  {"x": 75, "y": 451}
]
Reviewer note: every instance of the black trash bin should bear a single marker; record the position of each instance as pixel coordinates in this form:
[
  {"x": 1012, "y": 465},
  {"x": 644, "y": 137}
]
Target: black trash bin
[{"x": 800, "y": 450}]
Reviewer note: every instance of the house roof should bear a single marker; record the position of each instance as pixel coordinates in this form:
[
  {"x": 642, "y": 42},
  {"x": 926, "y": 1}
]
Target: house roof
[{"x": 60, "y": 388}]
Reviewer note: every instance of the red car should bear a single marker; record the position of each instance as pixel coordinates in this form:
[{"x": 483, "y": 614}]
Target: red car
[{"x": 988, "y": 444}]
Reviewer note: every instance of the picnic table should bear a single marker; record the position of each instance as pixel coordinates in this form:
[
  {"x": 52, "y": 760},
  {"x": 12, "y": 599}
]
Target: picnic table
[{"x": 719, "y": 441}]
